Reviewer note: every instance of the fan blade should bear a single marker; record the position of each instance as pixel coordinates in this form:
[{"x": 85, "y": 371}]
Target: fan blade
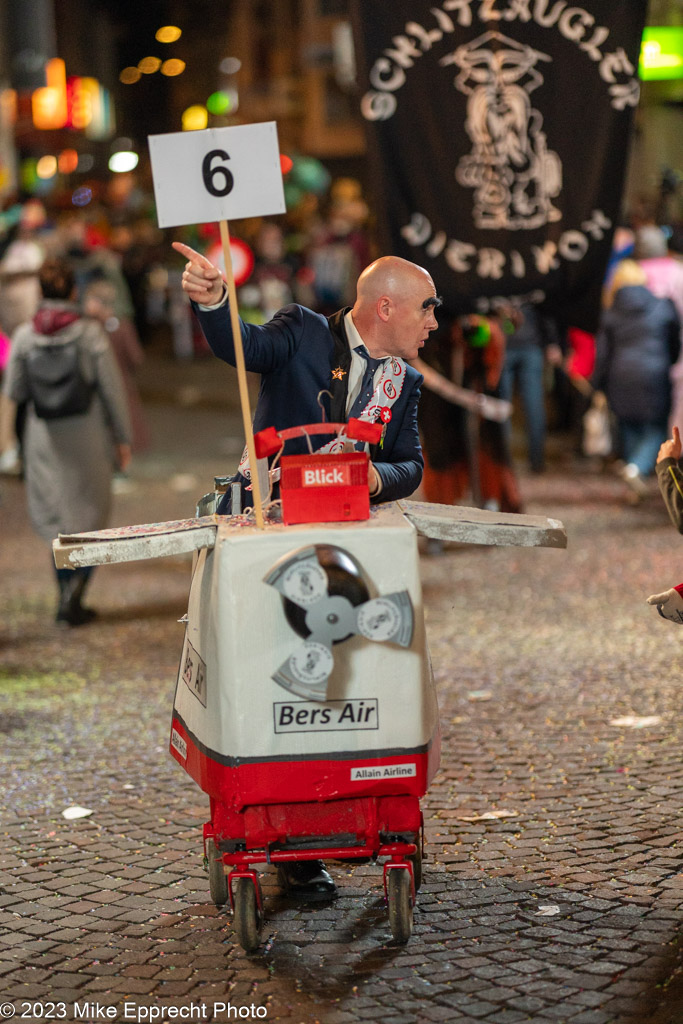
[
  {"x": 387, "y": 618},
  {"x": 307, "y": 671},
  {"x": 300, "y": 578}
]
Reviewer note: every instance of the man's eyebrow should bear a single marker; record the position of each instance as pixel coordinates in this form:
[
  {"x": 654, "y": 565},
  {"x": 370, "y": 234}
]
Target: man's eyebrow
[{"x": 433, "y": 300}]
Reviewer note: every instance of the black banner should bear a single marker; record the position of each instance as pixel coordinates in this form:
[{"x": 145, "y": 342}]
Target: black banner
[{"x": 498, "y": 134}]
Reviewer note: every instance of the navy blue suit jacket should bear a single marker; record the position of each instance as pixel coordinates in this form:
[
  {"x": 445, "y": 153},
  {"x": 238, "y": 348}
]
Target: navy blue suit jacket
[{"x": 295, "y": 354}]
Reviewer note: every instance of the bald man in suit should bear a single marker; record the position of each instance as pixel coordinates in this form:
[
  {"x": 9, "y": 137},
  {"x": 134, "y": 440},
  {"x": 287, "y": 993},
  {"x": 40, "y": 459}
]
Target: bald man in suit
[
  {"x": 359, "y": 356},
  {"x": 301, "y": 355}
]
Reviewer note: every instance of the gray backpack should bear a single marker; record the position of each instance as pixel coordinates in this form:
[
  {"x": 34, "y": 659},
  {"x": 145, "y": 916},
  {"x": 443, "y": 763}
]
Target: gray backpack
[{"x": 56, "y": 383}]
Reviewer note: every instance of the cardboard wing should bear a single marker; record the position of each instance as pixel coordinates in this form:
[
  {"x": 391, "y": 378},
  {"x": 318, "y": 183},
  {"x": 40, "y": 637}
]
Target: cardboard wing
[
  {"x": 441, "y": 522},
  {"x": 480, "y": 526},
  {"x": 134, "y": 543}
]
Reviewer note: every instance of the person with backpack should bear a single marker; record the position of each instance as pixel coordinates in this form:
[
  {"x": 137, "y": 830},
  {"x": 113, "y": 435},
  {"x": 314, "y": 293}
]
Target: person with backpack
[{"x": 77, "y": 430}]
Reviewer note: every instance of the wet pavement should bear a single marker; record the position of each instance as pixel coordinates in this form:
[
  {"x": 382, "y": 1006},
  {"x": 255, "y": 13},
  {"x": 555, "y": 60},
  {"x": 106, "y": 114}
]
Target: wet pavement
[{"x": 553, "y": 883}]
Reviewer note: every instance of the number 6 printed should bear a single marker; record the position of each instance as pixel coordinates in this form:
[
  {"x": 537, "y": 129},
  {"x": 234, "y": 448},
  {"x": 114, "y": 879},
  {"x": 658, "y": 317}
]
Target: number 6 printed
[{"x": 209, "y": 173}]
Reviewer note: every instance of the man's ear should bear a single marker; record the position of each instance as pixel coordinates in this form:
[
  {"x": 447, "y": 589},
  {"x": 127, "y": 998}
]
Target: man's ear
[{"x": 384, "y": 307}]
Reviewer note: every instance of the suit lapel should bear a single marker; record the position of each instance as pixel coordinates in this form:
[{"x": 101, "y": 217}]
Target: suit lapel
[{"x": 341, "y": 360}]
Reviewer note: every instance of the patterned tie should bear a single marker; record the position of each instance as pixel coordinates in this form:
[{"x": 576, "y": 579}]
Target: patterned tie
[{"x": 367, "y": 384}]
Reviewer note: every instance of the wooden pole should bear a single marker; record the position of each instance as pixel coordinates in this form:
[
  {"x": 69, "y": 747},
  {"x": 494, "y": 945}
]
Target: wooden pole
[{"x": 241, "y": 374}]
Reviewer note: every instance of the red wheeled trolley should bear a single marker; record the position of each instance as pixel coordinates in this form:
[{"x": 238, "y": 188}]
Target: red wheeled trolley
[
  {"x": 305, "y": 706},
  {"x": 298, "y": 837}
]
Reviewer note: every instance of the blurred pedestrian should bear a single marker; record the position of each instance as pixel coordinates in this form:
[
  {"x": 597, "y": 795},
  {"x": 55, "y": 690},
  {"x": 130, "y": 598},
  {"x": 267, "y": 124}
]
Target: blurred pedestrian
[
  {"x": 91, "y": 258},
  {"x": 19, "y": 299},
  {"x": 533, "y": 341},
  {"x": 339, "y": 251},
  {"x": 19, "y": 267},
  {"x": 273, "y": 273},
  {"x": 99, "y": 302},
  {"x": 636, "y": 345},
  {"x": 578, "y": 367},
  {"x": 664, "y": 278},
  {"x": 63, "y": 367},
  {"x": 465, "y": 452}
]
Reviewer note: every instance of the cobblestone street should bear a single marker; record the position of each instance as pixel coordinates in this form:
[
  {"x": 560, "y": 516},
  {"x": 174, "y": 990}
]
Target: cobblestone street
[{"x": 553, "y": 881}]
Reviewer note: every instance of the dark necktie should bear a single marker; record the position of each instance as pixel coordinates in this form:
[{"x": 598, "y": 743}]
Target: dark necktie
[{"x": 367, "y": 384}]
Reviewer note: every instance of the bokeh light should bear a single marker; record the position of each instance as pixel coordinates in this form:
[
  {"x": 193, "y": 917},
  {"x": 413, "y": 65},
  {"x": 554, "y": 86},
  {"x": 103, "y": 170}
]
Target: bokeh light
[
  {"x": 218, "y": 102},
  {"x": 229, "y": 65},
  {"x": 67, "y": 161},
  {"x": 346, "y": 190},
  {"x": 81, "y": 196},
  {"x": 168, "y": 34},
  {"x": 195, "y": 118},
  {"x": 148, "y": 65},
  {"x": 46, "y": 167},
  {"x": 130, "y": 75},
  {"x": 86, "y": 162},
  {"x": 286, "y": 163},
  {"x": 310, "y": 175},
  {"x": 28, "y": 175},
  {"x": 124, "y": 160},
  {"x": 293, "y": 195},
  {"x": 173, "y": 67}
]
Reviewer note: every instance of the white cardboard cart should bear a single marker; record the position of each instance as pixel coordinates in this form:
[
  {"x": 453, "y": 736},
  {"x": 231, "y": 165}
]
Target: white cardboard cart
[{"x": 305, "y": 705}]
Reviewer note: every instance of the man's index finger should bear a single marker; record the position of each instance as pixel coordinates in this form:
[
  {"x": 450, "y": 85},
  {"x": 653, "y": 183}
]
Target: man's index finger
[{"x": 192, "y": 255}]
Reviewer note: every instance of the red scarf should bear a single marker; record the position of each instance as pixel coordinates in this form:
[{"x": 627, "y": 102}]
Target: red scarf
[{"x": 49, "y": 320}]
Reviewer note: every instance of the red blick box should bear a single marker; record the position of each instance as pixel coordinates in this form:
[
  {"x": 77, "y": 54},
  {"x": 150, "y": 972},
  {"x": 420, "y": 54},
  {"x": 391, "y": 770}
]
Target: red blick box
[{"x": 324, "y": 488}]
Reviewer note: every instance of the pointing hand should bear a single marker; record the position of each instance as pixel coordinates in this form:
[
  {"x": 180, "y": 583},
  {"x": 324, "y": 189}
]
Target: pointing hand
[{"x": 202, "y": 281}]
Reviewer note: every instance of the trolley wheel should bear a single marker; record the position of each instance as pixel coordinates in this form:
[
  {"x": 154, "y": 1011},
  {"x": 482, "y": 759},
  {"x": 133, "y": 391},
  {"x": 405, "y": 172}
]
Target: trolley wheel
[
  {"x": 248, "y": 919},
  {"x": 218, "y": 882},
  {"x": 400, "y": 902},
  {"x": 416, "y": 861}
]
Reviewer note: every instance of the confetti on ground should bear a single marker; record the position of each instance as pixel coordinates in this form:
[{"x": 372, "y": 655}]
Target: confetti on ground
[
  {"x": 76, "y": 812},
  {"x": 489, "y": 816},
  {"x": 634, "y": 722},
  {"x": 547, "y": 910},
  {"x": 479, "y": 695}
]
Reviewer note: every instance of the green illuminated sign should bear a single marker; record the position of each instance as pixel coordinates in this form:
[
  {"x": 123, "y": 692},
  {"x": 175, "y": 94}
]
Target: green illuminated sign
[{"x": 661, "y": 53}]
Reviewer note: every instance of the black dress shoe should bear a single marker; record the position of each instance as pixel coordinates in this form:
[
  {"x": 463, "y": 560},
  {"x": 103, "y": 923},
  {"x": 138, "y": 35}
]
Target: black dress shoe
[{"x": 306, "y": 880}]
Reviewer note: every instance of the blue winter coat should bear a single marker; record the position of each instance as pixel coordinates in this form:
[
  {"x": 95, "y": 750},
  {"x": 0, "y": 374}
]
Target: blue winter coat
[{"x": 636, "y": 345}]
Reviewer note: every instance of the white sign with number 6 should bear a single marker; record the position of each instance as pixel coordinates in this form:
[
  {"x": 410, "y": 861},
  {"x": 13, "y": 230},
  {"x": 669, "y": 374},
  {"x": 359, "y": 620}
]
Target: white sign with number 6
[{"x": 217, "y": 174}]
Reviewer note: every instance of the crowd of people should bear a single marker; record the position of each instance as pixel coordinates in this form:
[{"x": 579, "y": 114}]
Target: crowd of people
[
  {"x": 322, "y": 323},
  {"x": 128, "y": 294},
  {"x": 625, "y": 381}
]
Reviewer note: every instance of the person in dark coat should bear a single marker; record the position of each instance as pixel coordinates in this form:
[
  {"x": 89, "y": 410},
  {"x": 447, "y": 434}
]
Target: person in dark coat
[
  {"x": 358, "y": 356},
  {"x": 463, "y": 450},
  {"x": 636, "y": 345},
  {"x": 301, "y": 354}
]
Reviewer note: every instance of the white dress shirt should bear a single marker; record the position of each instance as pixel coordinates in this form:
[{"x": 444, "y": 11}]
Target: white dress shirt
[{"x": 358, "y": 362}]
